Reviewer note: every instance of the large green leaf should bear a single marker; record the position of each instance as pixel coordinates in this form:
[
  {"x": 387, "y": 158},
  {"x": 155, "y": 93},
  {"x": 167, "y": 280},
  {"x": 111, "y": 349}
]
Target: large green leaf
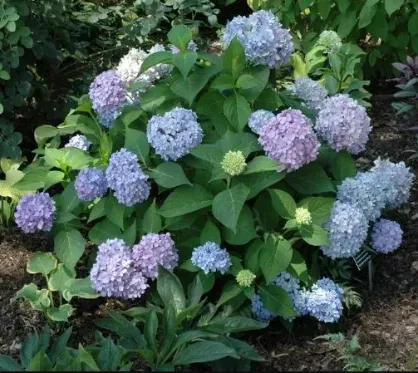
[
  {"x": 155, "y": 59},
  {"x": 137, "y": 142},
  {"x": 275, "y": 256},
  {"x": 184, "y": 62},
  {"x": 247, "y": 143},
  {"x": 277, "y": 300},
  {"x": 170, "y": 290},
  {"x": 69, "y": 246},
  {"x": 8, "y": 364},
  {"x": 367, "y": 13},
  {"x": 314, "y": 235},
  {"x": 152, "y": 222},
  {"x": 59, "y": 278},
  {"x": 210, "y": 233},
  {"x": 237, "y": 110},
  {"x": 343, "y": 166},
  {"x": 283, "y": 203},
  {"x": 234, "y": 58},
  {"x": 319, "y": 207},
  {"x": 81, "y": 288},
  {"x": 180, "y": 36},
  {"x": 42, "y": 263},
  {"x": 34, "y": 179},
  {"x": 200, "y": 352},
  {"x": 60, "y": 314},
  {"x": 185, "y": 199},
  {"x": 245, "y": 230},
  {"x": 234, "y": 324},
  {"x": 392, "y": 6},
  {"x": 310, "y": 179},
  {"x": 169, "y": 175},
  {"x": 103, "y": 231},
  {"x": 348, "y": 21},
  {"x": 261, "y": 164},
  {"x": 259, "y": 181},
  {"x": 68, "y": 200},
  {"x": 115, "y": 211},
  {"x": 228, "y": 204}
]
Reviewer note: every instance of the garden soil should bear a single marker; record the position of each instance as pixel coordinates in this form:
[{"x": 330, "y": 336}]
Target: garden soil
[{"x": 387, "y": 324}]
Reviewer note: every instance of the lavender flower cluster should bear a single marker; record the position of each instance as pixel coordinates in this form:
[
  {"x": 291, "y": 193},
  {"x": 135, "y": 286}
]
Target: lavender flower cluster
[
  {"x": 310, "y": 92},
  {"x": 289, "y": 139},
  {"x": 210, "y": 257},
  {"x": 80, "y": 142},
  {"x": 120, "y": 271},
  {"x": 263, "y": 38},
  {"x": 90, "y": 184},
  {"x": 35, "y": 212},
  {"x": 386, "y": 236},
  {"x": 125, "y": 177},
  {"x": 175, "y": 133}
]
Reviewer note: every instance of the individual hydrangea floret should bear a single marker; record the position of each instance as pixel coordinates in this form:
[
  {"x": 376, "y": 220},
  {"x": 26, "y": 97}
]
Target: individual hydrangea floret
[
  {"x": 386, "y": 236},
  {"x": 343, "y": 123},
  {"x": 35, "y": 212},
  {"x": 245, "y": 278},
  {"x": 290, "y": 140},
  {"x": 129, "y": 66},
  {"x": 258, "y": 119},
  {"x": 311, "y": 92},
  {"x": 125, "y": 176},
  {"x": 80, "y": 142},
  {"x": 108, "y": 94},
  {"x": 347, "y": 228},
  {"x": 210, "y": 257},
  {"x": 330, "y": 40},
  {"x": 233, "y": 163},
  {"x": 263, "y": 38},
  {"x": 192, "y": 46},
  {"x": 260, "y": 312},
  {"x": 175, "y": 133},
  {"x": 397, "y": 177},
  {"x": 303, "y": 216},
  {"x": 325, "y": 301},
  {"x": 369, "y": 192},
  {"x": 154, "y": 249},
  {"x": 113, "y": 274},
  {"x": 90, "y": 184}
]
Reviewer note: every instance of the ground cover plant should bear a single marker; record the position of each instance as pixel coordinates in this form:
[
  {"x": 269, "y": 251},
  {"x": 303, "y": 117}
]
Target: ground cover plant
[{"x": 200, "y": 164}]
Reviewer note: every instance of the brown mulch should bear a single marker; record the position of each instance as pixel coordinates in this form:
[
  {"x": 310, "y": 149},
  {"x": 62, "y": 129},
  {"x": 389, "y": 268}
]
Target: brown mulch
[{"x": 387, "y": 324}]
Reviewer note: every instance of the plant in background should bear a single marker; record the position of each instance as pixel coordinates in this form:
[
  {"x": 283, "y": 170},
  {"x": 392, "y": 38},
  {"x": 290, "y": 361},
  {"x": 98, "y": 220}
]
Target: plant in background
[
  {"x": 40, "y": 353},
  {"x": 348, "y": 351},
  {"x": 179, "y": 329}
]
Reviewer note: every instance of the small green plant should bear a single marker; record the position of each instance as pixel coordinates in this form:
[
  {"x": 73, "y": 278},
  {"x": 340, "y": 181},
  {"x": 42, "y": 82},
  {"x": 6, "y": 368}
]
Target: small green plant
[
  {"x": 348, "y": 351},
  {"x": 180, "y": 329},
  {"x": 62, "y": 287},
  {"x": 39, "y": 352}
]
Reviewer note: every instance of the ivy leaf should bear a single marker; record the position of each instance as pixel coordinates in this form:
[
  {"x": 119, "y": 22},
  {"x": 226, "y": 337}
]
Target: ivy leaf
[{"x": 228, "y": 204}]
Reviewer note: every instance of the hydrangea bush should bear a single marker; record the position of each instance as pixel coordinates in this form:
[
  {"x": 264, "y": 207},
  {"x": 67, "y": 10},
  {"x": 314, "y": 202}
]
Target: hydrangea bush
[{"x": 216, "y": 173}]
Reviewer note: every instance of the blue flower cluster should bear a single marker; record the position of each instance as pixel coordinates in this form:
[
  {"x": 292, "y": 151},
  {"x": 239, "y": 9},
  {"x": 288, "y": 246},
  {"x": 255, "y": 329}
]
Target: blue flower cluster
[
  {"x": 125, "y": 176},
  {"x": 310, "y": 92},
  {"x": 260, "y": 312},
  {"x": 175, "y": 133},
  {"x": 258, "y": 119},
  {"x": 90, "y": 184},
  {"x": 192, "y": 46},
  {"x": 80, "y": 142},
  {"x": 210, "y": 257},
  {"x": 386, "y": 236},
  {"x": 35, "y": 212},
  {"x": 263, "y": 38},
  {"x": 108, "y": 94},
  {"x": 292, "y": 286},
  {"x": 347, "y": 228}
]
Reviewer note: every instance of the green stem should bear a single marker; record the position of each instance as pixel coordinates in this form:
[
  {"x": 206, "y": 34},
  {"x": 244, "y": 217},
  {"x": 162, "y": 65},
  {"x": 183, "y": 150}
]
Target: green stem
[
  {"x": 228, "y": 182},
  {"x": 51, "y": 298}
]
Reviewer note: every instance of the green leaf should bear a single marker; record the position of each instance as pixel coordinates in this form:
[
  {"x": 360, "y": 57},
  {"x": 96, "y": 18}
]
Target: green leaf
[
  {"x": 237, "y": 110},
  {"x": 223, "y": 82},
  {"x": 29, "y": 349},
  {"x": 60, "y": 314},
  {"x": 109, "y": 356},
  {"x": 42, "y": 263},
  {"x": 275, "y": 257},
  {"x": 245, "y": 230},
  {"x": 234, "y": 324},
  {"x": 155, "y": 59},
  {"x": 39, "y": 363},
  {"x": 169, "y": 175},
  {"x": 43, "y": 133},
  {"x": 103, "y": 231},
  {"x": 152, "y": 222},
  {"x": 7, "y": 364},
  {"x": 81, "y": 288},
  {"x": 52, "y": 178},
  {"x": 34, "y": 179},
  {"x": 251, "y": 259},
  {"x": 210, "y": 103},
  {"x": 137, "y": 142},
  {"x": 155, "y": 96},
  {"x": 180, "y": 36},
  {"x": 259, "y": 181},
  {"x": 200, "y": 352},
  {"x": 28, "y": 292},
  {"x": 230, "y": 291},
  {"x": 391, "y": 6},
  {"x": 348, "y": 21},
  {"x": 68, "y": 200},
  {"x": 413, "y": 24},
  {"x": 170, "y": 290},
  {"x": 184, "y": 62},
  {"x": 185, "y": 199},
  {"x": 210, "y": 233},
  {"x": 98, "y": 210},
  {"x": 319, "y": 207},
  {"x": 310, "y": 179},
  {"x": 246, "y": 81},
  {"x": 59, "y": 345},
  {"x": 367, "y": 13},
  {"x": 283, "y": 203},
  {"x": 85, "y": 358},
  {"x": 129, "y": 234},
  {"x": 243, "y": 349},
  {"x": 228, "y": 204},
  {"x": 234, "y": 58},
  {"x": 261, "y": 164},
  {"x": 75, "y": 158},
  {"x": 244, "y": 142},
  {"x": 314, "y": 235},
  {"x": 260, "y": 75},
  {"x": 324, "y": 7},
  {"x": 69, "y": 247},
  {"x": 298, "y": 267},
  {"x": 343, "y": 166},
  {"x": 150, "y": 330},
  {"x": 114, "y": 211},
  {"x": 277, "y": 300},
  {"x": 59, "y": 278}
]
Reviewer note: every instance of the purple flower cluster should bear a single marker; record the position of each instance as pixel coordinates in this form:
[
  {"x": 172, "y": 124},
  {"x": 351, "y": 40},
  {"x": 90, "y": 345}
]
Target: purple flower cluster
[
  {"x": 386, "y": 236},
  {"x": 35, "y": 212},
  {"x": 289, "y": 139},
  {"x": 90, "y": 184},
  {"x": 108, "y": 94},
  {"x": 258, "y": 119},
  {"x": 120, "y": 271},
  {"x": 125, "y": 176},
  {"x": 343, "y": 123}
]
